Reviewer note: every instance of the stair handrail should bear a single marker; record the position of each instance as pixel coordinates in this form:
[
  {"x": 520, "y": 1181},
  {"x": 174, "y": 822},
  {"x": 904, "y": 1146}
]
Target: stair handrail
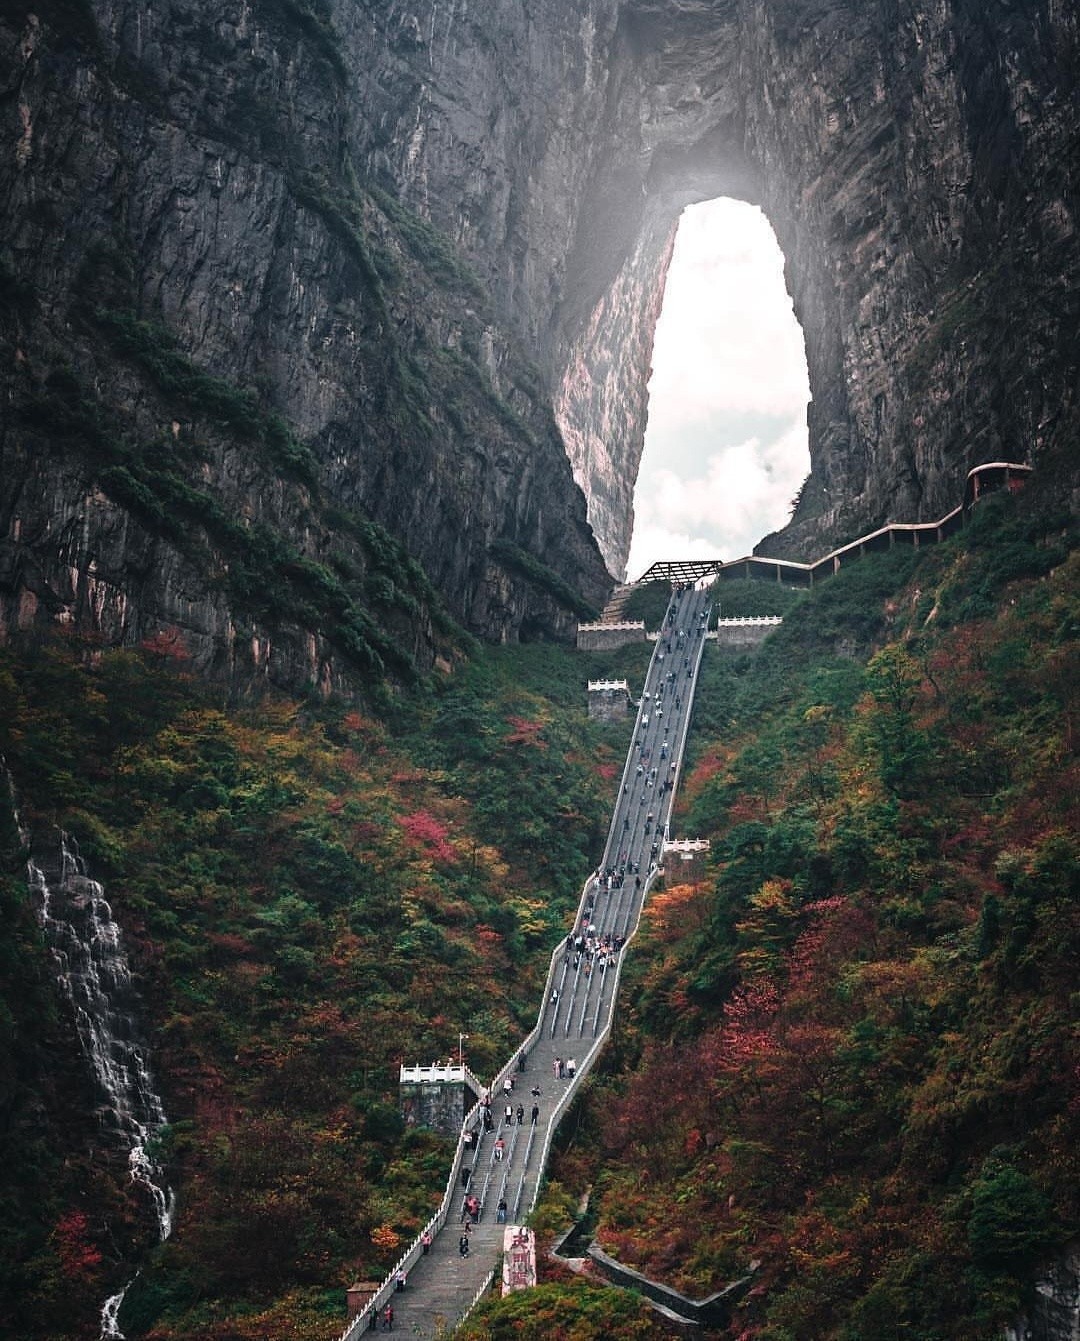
[
  {"x": 485, "y": 1286},
  {"x": 438, "y": 1220}
]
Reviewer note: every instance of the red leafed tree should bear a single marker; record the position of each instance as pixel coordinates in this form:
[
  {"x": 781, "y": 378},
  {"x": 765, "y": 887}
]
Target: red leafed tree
[
  {"x": 525, "y": 732},
  {"x": 746, "y": 1032},
  {"x": 167, "y": 642},
  {"x": 79, "y": 1255},
  {"x": 423, "y": 828}
]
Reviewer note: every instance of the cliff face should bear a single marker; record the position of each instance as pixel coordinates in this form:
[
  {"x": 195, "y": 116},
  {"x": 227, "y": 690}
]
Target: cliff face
[
  {"x": 919, "y": 166},
  {"x": 247, "y": 391},
  {"x": 1055, "y": 1313},
  {"x": 404, "y": 263}
]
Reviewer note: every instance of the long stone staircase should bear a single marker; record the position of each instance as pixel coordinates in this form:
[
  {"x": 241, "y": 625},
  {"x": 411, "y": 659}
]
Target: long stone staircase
[{"x": 574, "y": 1019}]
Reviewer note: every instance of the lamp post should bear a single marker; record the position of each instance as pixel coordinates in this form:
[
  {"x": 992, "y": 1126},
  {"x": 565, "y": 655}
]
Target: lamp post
[{"x": 460, "y": 1049}]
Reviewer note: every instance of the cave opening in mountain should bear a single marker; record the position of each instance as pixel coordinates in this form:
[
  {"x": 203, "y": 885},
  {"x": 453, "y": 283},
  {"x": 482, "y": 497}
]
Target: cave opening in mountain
[{"x": 726, "y": 440}]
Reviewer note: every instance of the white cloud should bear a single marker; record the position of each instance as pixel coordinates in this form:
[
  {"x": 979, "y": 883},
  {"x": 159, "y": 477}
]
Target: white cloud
[
  {"x": 727, "y": 336},
  {"x": 728, "y": 352},
  {"x": 654, "y": 543},
  {"x": 743, "y": 492}
]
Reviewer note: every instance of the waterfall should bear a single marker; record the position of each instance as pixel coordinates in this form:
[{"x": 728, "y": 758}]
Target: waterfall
[{"x": 97, "y": 981}]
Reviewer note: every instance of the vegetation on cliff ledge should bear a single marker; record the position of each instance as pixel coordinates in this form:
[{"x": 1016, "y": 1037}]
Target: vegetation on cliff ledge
[{"x": 307, "y": 900}]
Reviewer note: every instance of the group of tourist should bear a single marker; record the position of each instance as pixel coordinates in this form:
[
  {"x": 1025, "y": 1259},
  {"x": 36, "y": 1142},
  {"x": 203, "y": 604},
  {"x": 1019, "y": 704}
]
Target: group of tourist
[
  {"x": 588, "y": 945},
  {"x": 509, "y": 1113}
]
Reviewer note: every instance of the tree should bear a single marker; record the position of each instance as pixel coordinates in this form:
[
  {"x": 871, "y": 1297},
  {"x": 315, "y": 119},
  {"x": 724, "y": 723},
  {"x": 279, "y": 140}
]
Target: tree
[
  {"x": 1010, "y": 1221},
  {"x": 893, "y": 679}
]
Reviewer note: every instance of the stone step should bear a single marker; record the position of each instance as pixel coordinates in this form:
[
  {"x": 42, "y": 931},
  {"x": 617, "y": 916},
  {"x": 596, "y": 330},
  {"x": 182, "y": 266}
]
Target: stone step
[
  {"x": 442, "y": 1285},
  {"x": 612, "y": 612}
]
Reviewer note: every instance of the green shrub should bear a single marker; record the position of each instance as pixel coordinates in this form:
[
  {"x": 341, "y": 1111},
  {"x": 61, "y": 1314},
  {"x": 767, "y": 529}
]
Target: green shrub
[
  {"x": 753, "y": 598},
  {"x": 316, "y": 24},
  {"x": 1005, "y": 542},
  {"x": 1010, "y": 1222},
  {"x": 154, "y": 349},
  {"x": 513, "y": 557},
  {"x": 343, "y": 218},
  {"x": 648, "y": 602},
  {"x": 430, "y": 247}
]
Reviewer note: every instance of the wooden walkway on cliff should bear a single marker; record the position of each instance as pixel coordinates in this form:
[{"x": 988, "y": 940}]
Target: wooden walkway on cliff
[
  {"x": 576, "y": 1013},
  {"x": 982, "y": 480}
]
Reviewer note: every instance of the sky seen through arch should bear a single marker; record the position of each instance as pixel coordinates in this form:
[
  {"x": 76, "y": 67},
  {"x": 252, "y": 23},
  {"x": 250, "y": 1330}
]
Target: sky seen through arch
[{"x": 726, "y": 442}]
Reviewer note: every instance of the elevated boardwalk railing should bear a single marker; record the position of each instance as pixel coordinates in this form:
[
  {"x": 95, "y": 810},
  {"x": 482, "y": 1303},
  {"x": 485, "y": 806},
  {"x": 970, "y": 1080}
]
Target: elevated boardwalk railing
[
  {"x": 748, "y": 621},
  {"x": 989, "y": 477}
]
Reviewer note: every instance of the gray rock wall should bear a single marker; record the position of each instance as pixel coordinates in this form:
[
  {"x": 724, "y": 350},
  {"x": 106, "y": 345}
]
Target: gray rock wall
[
  {"x": 195, "y": 265},
  {"x": 1055, "y": 1314},
  {"x": 741, "y": 637},
  {"x": 605, "y": 638},
  {"x": 609, "y": 705},
  {"x": 438, "y": 1106},
  {"x": 432, "y": 239}
]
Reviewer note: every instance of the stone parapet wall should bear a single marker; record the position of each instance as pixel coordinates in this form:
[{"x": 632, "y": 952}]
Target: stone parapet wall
[
  {"x": 433, "y": 1104},
  {"x": 713, "y": 1311},
  {"x": 606, "y": 637},
  {"x": 684, "y": 861},
  {"x": 609, "y": 700},
  {"x": 740, "y": 636}
]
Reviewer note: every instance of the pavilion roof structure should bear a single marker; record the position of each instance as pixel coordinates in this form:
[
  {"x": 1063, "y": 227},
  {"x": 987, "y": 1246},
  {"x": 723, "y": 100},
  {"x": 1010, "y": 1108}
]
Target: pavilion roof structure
[{"x": 679, "y": 570}]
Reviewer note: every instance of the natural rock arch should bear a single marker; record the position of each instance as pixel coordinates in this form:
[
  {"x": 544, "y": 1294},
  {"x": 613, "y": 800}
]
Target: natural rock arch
[
  {"x": 429, "y": 236},
  {"x": 899, "y": 155},
  {"x": 913, "y": 164}
]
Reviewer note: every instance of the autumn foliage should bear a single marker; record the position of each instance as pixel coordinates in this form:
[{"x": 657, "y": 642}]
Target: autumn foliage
[
  {"x": 847, "y": 1061},
  {"x": 844, "y": 1063},
  {"x": 308, "y": 898}
]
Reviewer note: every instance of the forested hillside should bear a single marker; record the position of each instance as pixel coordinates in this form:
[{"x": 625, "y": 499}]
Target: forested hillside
[
  {"x": 849, "y": 1055},
  {"x": 309, "y": 895}
]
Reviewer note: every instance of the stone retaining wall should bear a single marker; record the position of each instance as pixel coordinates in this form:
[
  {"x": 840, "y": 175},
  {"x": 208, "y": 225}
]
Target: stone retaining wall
[
  {"x": 712, "y": 1311},
  {"x": 604, "y": 637},
  {"x": 741, "y": 637}
]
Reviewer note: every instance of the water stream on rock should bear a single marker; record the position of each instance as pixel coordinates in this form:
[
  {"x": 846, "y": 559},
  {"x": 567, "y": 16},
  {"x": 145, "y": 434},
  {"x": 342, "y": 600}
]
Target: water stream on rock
[{"x": 96, "y": 979}]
